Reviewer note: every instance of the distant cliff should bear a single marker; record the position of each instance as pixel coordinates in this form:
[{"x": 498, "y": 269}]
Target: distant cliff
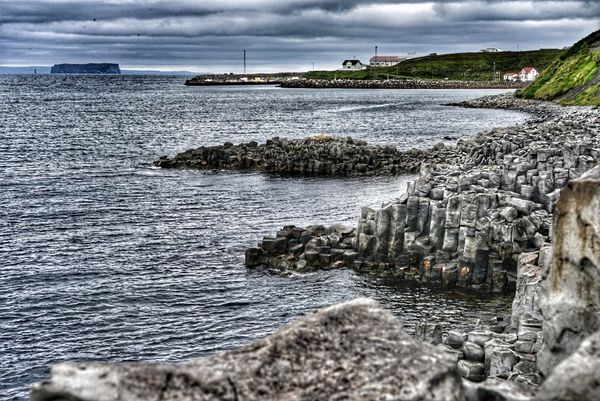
[{"x": 103, "y": 68}]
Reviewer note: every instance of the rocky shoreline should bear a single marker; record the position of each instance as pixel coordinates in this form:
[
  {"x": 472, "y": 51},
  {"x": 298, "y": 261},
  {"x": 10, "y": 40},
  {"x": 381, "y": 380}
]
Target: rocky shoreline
[
  {"x": 398, "y": 84},
  {"x": 512, "y": 209},
  {"x": 314, "y": 156},
  {"x": 463, "y": 222}
]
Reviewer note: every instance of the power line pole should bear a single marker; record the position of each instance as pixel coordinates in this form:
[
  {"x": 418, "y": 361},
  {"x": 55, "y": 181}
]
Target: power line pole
[{"x": 244, "y": 62}]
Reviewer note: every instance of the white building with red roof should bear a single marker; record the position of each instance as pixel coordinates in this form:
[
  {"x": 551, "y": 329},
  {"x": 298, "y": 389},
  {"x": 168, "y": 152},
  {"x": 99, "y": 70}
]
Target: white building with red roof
[
  {"x": 385, "y": 61},
  {"x": 528, "y": 74}
]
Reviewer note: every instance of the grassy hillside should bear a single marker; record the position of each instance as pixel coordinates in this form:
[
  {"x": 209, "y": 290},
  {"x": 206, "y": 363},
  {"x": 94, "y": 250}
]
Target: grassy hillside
[
  {"x": 458, "y": 66},
  {"x": 573, "y": 78}
]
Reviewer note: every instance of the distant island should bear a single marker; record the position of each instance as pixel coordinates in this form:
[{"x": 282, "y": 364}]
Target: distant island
[{"x": 102, "y": 68}]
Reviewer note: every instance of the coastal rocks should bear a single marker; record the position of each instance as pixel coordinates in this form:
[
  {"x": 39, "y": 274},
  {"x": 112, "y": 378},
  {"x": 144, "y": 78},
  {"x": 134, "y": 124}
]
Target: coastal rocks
[
  {"x": 351, "y": 351},
  {"x": 314, "y": 156},
  {"x": 305, "y": 249},
  {"x": 570, "y": 298},
  {"x": 465, "y": 223},
  {"x": 398, "y": 84}
]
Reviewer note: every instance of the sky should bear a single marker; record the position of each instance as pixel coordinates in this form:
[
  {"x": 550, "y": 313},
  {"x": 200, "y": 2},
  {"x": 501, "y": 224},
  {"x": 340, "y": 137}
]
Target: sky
[{"x": 279, "y": 35}]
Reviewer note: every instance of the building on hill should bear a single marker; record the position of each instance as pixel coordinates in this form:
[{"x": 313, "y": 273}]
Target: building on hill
[
  {"x": 353, "y": 65},
  {"x": 511, "y": 76},
  {"x": 490, "y": 50},
  {"x": 528, "y": 74},
  {"x": 385, "y": 61}
]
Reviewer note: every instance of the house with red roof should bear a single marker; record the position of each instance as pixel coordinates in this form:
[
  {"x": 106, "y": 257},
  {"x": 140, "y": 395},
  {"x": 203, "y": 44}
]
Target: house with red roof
[
  {"x": 528, "y": 74},
  {"x": 385, "y": 61}
]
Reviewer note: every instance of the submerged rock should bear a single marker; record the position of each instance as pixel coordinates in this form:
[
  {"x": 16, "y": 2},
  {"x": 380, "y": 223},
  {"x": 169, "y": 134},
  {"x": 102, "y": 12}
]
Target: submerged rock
[{"x": 352, "y": 351}]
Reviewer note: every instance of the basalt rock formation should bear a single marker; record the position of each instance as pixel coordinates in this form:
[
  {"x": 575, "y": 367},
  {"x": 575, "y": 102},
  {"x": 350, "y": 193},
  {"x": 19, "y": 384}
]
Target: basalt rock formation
[
  {"x": 315, "y": 156},
  {"x": 570, "y": 297}
]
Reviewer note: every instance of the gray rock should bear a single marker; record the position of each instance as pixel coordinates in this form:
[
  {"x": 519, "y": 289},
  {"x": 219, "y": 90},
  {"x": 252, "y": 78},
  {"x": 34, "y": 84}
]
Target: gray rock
[
  {"x": 473, "y": 352},
  {"x": 498, "y": 390},
  {"x": 502, "y": 361},
  {"x": 313, "y": 358},
  {"x": 570, "y": 298},
  {"x": 473, "y": 371},
  {"x": 576, "y": 378}
]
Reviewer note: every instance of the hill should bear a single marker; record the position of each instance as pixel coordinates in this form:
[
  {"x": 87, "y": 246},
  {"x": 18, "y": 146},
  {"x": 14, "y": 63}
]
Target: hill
[
  {"x": 456, "y": 66},
  {"x": 574, "y": 78}
]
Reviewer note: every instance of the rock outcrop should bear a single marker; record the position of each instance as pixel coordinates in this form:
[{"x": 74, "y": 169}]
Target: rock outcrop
[
  {"x": 315, "y": 156},
  {"x": 398, "y": 84},
  {"x": 570, "y": 299},
  {"x": 352, "y": 351},
  {"x": 466, "y": 224}
]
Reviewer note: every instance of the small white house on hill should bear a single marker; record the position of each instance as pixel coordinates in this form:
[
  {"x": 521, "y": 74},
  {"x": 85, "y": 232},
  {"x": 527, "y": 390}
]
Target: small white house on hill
[
  {"x": 511, "y": 76},
  {"x": 353, "y": 65},
  {"x": 528, "y": 74}
]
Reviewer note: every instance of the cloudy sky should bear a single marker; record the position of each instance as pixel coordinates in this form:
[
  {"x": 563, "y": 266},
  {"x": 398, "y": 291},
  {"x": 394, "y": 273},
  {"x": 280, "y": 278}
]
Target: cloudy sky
[{"x": 291, "y": 35}]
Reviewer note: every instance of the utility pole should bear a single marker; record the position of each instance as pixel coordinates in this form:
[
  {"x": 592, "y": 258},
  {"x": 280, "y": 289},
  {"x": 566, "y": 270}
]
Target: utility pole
[
  {"x": 375, "y": 51},
  {"x": 244, "y": 62},
  {"x": 494, "y": 77},
  {"x": 313, "y": 65}
]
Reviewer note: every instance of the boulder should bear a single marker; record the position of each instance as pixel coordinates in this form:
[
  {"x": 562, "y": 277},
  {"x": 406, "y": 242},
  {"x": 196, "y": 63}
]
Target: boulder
[
  {"x": 352, "y": 351},
  {"x": 577, "y": 377},
  {"x": 570, "y": 297}
]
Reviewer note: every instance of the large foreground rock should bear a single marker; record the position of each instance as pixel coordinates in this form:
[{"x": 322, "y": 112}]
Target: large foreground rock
[
  {"x": 570, "y": 299},
  {"x": 352, "y": 351},
  {"x": 577, "y": 378}
]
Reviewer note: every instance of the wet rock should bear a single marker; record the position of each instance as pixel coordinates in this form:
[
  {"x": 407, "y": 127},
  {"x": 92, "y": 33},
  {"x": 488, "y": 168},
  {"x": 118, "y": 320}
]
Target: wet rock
[{"x": 312, "y": 358}]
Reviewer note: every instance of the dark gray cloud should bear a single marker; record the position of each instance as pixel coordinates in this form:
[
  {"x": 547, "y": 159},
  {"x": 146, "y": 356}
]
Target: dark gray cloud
[{"x": 278, "y": 34}]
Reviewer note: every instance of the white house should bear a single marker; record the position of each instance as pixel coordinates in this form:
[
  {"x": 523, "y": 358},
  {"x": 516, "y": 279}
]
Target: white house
[
  {"x": 528, "y": 74},
  {"x": 385, "y": 61},
  {"x": 353, "y": 65},
  {"x": 511, "y": 76},
  {"x": 490, "y": 50}
]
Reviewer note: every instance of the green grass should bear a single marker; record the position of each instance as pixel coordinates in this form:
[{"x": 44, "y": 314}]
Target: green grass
[
  {"x": 458, "y": 66},
  {"x": 563, "y": 80}
]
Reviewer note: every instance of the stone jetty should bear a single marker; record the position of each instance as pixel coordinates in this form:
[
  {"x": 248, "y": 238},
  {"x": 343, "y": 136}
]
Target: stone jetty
[
  {"x": 315, "y": 156},
  {"x": 398, "y": 84}
]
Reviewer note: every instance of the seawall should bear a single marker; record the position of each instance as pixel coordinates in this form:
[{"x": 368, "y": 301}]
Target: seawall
[{"x": 397, "y": 84}]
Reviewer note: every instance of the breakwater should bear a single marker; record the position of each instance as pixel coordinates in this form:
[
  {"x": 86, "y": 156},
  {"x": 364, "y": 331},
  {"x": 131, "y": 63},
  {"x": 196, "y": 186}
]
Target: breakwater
[
  {"x": 398, "y": 84},
  {"x": 315, "y": 156}
]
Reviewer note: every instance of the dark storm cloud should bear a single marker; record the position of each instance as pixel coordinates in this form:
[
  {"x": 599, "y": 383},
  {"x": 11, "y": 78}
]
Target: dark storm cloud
[{"x": 279, "y": 34}]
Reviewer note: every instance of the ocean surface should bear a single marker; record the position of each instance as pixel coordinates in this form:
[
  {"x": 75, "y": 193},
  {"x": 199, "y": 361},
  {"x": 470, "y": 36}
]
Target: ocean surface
[{"x": 103, "y": 257}]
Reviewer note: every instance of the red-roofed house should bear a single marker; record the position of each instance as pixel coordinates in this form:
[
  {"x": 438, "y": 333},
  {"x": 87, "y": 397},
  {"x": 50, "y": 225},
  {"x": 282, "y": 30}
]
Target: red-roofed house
[
  {"x": 528, "y": 74},
  {"x": 511, "y": 76},
  {"x": 385, "y": 61}
]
